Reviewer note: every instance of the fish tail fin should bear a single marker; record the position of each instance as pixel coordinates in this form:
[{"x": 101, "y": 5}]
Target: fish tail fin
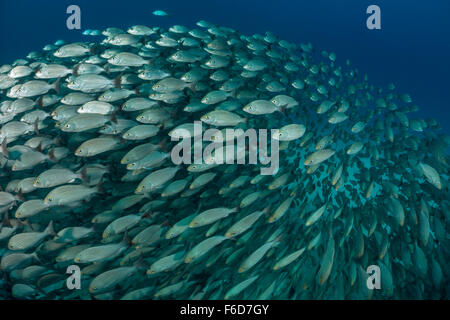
[
  {"x": 25, "y": 223},
  {"x": 107, "y": 69},
  {"x": 192, "y": 86},
  {"x": 126, "y": 239},
  {"x": 118, "y": 81},
  {"x": 20, "y": 196},
  {"x": 39, "y": 101},
  {"x": 282, "y": 109},
  {"x": 97, "y": 227},
  {"x": 75, "y": 70},
  {"x": 36, "y": 257},
  {"x": 57, "y": 85},
  {"x": 163, "y": 144},
  {"x": 4, "y": 148},
  {"x": 166, "y": 223},
  {"x": 266, "y": 210},
  {"x": 278, "y": 240},
  {"x": 36, "y": 126},
  {"x": 95, "y": 49},
  {"x": 39, "y": 147},
  {"x": 141, "y": 264},
  {"x": 57, "y": 140},
  {"x": 6, "y": 222},
  {"x": 113, "y": 117},
  {"x": 49, "y": 230},
  {"x": 83, "y": 174},
  {"x": 99, "y": 186},
  {"x": 174, "y": 113},
  {"x": 161, "y": 126},
  {"x": 110, "y": 170},
  {"x": 148, "y": 214}
]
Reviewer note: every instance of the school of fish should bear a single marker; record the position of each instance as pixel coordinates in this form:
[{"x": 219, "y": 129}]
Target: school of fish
[{"x": 87, "y": 178}]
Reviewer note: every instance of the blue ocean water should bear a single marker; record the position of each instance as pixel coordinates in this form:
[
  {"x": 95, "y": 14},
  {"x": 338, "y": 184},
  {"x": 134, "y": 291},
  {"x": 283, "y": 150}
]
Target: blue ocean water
[{"x": 412, "y": 49}]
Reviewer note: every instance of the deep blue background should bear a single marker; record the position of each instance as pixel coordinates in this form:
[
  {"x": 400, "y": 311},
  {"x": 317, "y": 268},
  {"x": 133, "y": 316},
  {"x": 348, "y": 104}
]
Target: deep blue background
[{"x": 412, "y": 50}]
